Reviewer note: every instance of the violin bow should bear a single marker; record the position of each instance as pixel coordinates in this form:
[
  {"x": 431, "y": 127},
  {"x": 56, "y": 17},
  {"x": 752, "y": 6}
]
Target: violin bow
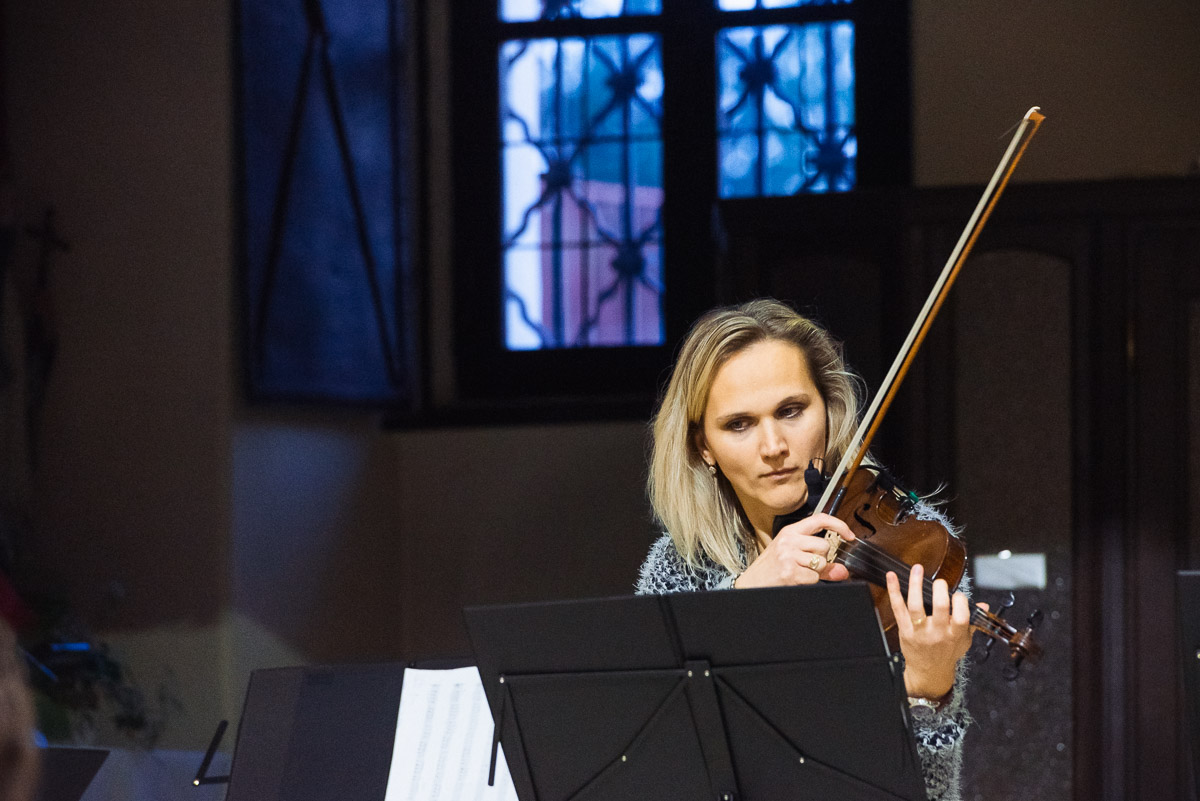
[{"x": 865, "y": 433}]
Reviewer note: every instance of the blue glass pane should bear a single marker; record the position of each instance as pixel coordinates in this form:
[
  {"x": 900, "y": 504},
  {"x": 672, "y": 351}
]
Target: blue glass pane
[
  {"x": 582, "y": 182},
  {"x": 525, "y": 10},
  {"x": 746, "y": 5},
  {"x": 785, "y": 117}
]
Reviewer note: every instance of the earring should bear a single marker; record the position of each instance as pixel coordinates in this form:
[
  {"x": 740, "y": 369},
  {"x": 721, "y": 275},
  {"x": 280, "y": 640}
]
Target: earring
[{"x": 712, "y": 470}]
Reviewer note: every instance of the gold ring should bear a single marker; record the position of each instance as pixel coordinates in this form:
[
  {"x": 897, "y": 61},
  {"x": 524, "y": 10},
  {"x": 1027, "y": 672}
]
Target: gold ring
[
  {"x": 814, "y": 563},
  {"x": 919, "y": 621}
]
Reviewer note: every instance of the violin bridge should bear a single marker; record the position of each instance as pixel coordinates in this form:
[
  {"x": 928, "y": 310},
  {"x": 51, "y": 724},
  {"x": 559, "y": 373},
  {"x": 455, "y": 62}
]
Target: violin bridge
[{"x": 835, "y": 541}]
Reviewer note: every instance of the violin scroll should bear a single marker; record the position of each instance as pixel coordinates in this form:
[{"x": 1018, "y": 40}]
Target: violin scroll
[
  {"x": 1021, "y": 645},
  {"x": 1024, "y": 647}
]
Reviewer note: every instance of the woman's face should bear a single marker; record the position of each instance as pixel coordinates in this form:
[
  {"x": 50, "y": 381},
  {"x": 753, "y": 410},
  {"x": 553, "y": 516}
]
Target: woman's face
[{"x": 764, "y": 423}]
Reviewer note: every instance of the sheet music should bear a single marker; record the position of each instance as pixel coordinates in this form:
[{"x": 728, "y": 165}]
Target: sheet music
[{"x": 444, "y": 741}]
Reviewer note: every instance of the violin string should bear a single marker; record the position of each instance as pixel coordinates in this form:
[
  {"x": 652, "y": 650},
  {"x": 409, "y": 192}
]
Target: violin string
[
  {"x": 900, "y": 567},
  {"x": 882, "y": 558},
  {"x": 880, "y": 555},
  {"x": 875, "y": 569},
  {"x": 878, "y": 575},
  {"x": 979, "y": 617}
]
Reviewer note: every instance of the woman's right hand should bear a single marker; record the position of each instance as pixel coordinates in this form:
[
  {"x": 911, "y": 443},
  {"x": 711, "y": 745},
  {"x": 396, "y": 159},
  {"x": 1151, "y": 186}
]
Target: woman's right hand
[{"x": 797, "y": 555}]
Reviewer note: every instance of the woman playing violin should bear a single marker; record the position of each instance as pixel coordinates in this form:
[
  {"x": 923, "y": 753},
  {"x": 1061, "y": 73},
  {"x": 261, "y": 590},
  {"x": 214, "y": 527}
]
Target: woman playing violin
[{"x": 759, "y": 394}]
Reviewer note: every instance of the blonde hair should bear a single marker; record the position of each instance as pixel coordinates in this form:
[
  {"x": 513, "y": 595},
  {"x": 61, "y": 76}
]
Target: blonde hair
[{"x": 703, "y": 515}]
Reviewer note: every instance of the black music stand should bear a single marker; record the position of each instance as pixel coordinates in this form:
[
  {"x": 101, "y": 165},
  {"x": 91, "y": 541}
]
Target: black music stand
[
  {"x": 750, "y": 695},
  {"x": 66, "y": 772},
  {"x": 315, "y": 733},
  {"x": 1187, "y": 586}
]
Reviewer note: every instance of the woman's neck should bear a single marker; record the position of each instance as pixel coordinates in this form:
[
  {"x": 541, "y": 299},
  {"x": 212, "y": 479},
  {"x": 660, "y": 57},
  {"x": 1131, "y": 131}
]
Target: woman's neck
[
  {"x": 762, "y": 525},
  {"x": 763, "y": 538}
]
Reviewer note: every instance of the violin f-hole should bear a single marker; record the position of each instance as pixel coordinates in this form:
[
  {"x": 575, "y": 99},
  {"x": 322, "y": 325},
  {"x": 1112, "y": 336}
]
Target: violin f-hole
[{"x": 863, "y": 522}]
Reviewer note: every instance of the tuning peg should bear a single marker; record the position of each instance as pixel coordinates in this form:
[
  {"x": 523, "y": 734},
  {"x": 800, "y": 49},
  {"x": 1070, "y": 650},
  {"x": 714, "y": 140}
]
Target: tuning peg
[
  {"x": 1006, "y": 604},
  {"x": 983, "y": 652},
  {"x": 1035, "y": 619},
  {"x": 1013, "y": 670}
]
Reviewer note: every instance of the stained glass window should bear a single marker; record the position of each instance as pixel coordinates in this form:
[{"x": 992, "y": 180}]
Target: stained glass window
[
  {"x": 582, "y": 188},
  {"x": 522, "y": 10},
  {"x": 785, "y": 117},
  {"x": 747, "y": 5},
  {"x": 581, "y": 154},
  {"x": 598, "y": 144}
]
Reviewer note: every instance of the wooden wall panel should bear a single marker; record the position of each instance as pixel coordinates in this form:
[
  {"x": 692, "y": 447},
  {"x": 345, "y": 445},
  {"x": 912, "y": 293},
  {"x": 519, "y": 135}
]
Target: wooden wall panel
[{"x": 1100, "y": 306}]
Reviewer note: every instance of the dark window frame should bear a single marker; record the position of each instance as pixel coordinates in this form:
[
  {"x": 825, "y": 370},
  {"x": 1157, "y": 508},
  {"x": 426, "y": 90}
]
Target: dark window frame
[{"x": 625, "y": 379}]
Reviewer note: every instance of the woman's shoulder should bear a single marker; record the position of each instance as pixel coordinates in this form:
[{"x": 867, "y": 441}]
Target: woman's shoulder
[
  {"x": 933, "y": 510},
  {"x": 925, "y": 510},
  {"x": 665, "y": 570}
]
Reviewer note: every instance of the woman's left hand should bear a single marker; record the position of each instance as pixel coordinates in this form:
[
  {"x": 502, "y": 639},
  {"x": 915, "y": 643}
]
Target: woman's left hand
[{"x": 932, "y": 644}]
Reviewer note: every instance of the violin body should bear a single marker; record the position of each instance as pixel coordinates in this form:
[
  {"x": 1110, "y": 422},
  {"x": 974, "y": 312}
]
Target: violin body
[{"x": 880, "y": 512}]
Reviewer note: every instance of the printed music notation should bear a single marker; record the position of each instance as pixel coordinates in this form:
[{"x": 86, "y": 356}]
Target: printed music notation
[{"x": 444, "y": 739}]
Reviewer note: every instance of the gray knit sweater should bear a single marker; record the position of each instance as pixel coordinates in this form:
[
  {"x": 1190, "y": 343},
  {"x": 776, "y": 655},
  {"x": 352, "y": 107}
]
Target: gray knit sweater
[{"x": 939, "y": 740}]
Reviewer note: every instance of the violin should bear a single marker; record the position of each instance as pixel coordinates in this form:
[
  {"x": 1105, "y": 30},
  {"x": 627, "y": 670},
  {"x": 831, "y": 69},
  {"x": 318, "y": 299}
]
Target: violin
[{"x": 891, "y": 536}]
